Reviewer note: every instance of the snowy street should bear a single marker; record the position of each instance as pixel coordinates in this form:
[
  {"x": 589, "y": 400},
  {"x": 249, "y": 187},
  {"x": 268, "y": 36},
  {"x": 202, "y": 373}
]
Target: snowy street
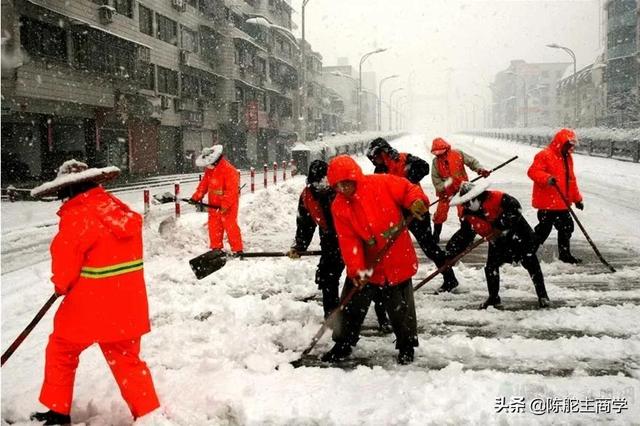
[{"x": 220, "y": 348}]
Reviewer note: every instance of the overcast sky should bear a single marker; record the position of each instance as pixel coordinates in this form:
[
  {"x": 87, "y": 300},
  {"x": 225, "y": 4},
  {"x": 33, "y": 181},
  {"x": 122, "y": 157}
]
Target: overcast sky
[{"x": 469, "y": 40}]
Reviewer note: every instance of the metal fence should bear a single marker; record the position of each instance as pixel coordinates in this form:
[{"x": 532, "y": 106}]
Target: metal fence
[{"x": 628, "y": 150}]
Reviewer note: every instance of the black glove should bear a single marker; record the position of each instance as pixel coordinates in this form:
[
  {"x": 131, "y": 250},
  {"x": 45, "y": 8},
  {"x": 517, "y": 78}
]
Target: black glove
[
  {"x": 551, "y": 181},
  {"x": 579, "y": 205}
]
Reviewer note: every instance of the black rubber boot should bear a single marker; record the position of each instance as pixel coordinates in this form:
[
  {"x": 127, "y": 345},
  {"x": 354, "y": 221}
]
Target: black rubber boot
[
  {"x": 51, "y": 418},
  {"x": 544, "y": 302},
  {"x": 338, "y": 352},
  {"x": 405, "y": 356},
  {"x": 491, "y": 301},
  {"x": 568, "y": 258},
  {"x": 437, "y": 228}
]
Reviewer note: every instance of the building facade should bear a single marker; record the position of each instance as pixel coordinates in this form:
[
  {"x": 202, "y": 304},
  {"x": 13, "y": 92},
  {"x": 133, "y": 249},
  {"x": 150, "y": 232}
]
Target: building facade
[
  {"x": 524, "y": 94},
  {"x": 591, "y": 95},
  {"x": 622, "y": 58},
  {"x": 144, "y": 85}
]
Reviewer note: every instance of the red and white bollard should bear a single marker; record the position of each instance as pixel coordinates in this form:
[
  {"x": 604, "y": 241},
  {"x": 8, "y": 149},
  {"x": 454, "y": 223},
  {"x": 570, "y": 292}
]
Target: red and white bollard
[
  {"x": 275, "y": 173},
  {"x": 266, "y": 168},
  {"x": 253, "y": 180},
  {"x": 176, "y": 190},
  {"x": 146, "y": 201},
  {"x": 292, "y": 166},
  {"x": 284, "y": 170}
]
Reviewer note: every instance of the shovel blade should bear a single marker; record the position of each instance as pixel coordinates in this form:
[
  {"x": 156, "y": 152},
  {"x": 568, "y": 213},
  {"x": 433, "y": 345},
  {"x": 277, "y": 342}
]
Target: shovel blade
[
  {"x": 207, "y": 263},
  {"x": 164, "y": 198}
]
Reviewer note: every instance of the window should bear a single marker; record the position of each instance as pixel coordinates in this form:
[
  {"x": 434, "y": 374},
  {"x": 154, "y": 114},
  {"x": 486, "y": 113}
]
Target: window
[
  {"x": 102, "y": 52},
  {"x": 145, "y": 19},
  {"x": 262, "y": 101},
  {"x": 167, "y": 29},
  {"x": 167, "y": 81},
  {"x": 209, "y": 44},
  {"x": 190, "y": 86},
  {"x": 193, "y": 3},
  {"x": 239, "y": 94},
  {"x": 260, "y": 66},
  {"x": 189, "y": 40},
  {"x": 207, "y": 89},
  {"x": 124, "y": 7},
  {"x": 41, "y": 39},
  {"x": 147, "y": 76}
]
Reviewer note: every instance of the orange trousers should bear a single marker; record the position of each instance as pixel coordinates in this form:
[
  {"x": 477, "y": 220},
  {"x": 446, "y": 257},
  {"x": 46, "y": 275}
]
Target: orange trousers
[
  {"x": 220, "y": 223},
  {"x": 131, "y": 374},
  {"x": 442, "y": 211}
]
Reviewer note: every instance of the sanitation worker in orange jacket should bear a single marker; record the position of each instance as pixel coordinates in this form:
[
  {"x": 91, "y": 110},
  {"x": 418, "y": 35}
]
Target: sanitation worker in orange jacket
[
  {"x": 388, "y": 160},
  {"x": 447, "y": 173},
  {"x": 221, "y": 183},
  {"x": 367, "y": 212},
  {"x": 97, "y": 267},
  {"x": 552, "y": 170}
]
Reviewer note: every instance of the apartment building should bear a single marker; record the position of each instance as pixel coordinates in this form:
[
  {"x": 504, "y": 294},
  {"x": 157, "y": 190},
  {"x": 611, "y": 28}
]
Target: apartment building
[
  {"x": 524, "y": 94},
  {"x": 143, "y": 84},
  {"x": 590, "y": 99},
  {"x": 622, "y": 58}
]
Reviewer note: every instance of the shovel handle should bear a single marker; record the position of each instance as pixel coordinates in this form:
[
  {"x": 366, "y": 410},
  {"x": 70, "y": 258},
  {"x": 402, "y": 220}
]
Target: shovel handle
[
  {"x": 279, "y": 253},
  {"x": 16, "y": 343}
]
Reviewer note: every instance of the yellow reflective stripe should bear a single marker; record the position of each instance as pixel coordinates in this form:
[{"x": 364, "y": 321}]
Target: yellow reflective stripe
[
  {"x": 217, "y": 191},
  {"x": 112, "y": 270}
]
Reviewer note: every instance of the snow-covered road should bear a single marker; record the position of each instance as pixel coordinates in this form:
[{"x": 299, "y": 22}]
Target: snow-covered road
[{"x": 215, "y": 343}]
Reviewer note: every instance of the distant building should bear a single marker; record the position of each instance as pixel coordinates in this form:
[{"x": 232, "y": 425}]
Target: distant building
[
  {"x": 535, "y": 81},
  {"x": 591, "y": 95},
  {"x": 144, "y": 84},
  {"x": 622, "y": 58},
  {"x": 340, "y": 80}
]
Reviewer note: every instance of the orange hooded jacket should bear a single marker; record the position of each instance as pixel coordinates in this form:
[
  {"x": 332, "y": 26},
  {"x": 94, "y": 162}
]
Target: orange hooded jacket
[
  {"x": 222, "y": 185},
  {"x": 550, "y": 162},
  {"x": 97, "y": 264},
  {"x": 450, "y": 165},
  {"x": 367, "y": 219}
]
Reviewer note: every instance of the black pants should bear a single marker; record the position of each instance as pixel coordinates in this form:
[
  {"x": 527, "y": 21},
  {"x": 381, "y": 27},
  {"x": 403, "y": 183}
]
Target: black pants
[
  {"x": 562, "y": 221},
  {"x": 501, "y": 252},
  {"x": 398, "y": 303},
  {"x": 421, "y": 230},
  {"x": 328, "y": 274}
]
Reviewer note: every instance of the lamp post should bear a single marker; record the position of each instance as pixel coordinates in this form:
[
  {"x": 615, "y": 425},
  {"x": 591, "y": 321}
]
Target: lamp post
[
  {"x": 380, "y": 99},
  {"x": 391, "y": 104},
  {"x": 526, "y": 102},
  {"x": 362, "y": 59},
  {"x": 400, "y": 99},
  {"x": 484, "y": 109},
  {"x": 575, "y": 79},
  {"x": 303, "y": 79}
]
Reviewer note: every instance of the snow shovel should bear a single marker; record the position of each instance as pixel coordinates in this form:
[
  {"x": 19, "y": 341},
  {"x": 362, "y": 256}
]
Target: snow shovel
[
  {"x": 11, "y": 349},
  {"x": 168, "y": 197},
  {"x": 584, "y": 231},
  {"x": 499, "y": 166},
  {"x": 449, "y": 263},
  {"x": 345, "y": 300},
  {"x": 207, "y": 263}
]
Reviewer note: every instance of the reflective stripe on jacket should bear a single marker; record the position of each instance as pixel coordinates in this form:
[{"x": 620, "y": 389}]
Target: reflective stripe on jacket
[{"x": 97, "y": 264}]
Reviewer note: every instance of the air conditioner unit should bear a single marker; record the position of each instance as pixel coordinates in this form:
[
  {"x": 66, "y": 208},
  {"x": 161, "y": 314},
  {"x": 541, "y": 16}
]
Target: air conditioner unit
[
  {"x": 164, "y": 102},
  {"x": 179, "y": 5},
  {"x": 184, "y": 57},
  {"x": 105, "y": 13},
  {"x": 178, "y": 104}
]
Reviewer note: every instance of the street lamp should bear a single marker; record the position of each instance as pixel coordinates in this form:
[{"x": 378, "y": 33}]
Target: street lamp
[
  {"x": 362, "y": 59},
  {"x": 303, "y": 79},
  {"x": 380, "y": 99},
  {"x": 575, "y": 78},
  {"x": 391, "y": 104},
  {"x": 526, "y": 103},
  {"x": 484, "y": 109},
  {"x": 400, "y": 99}
]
